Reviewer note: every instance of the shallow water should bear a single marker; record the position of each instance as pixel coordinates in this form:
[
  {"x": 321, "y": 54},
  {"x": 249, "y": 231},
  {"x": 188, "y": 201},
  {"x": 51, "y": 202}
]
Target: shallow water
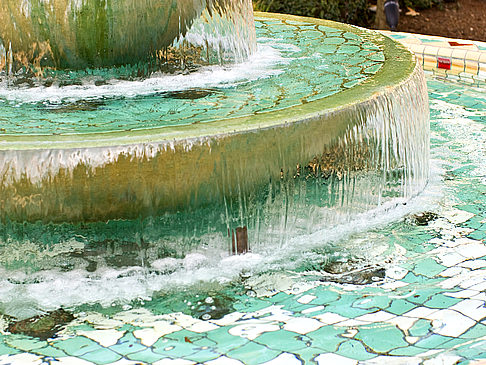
[{"x": 392, "y": 286}]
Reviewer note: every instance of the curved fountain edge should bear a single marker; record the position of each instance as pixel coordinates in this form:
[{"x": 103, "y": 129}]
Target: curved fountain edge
[
  {"x": 396, "y": 70},
  {"x": 132, "y": 174}
]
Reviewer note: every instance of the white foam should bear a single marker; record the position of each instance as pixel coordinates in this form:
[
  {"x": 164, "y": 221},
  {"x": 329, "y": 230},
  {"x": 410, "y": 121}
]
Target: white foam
[
  {"x": 25, "y": 294},
  {"x": 265, "y": 63}
]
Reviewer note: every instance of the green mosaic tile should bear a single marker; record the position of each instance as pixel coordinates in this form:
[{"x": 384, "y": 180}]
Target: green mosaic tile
[
  {"x": 174, "y": 349},
  {"x": 253, "y": 353},
  {"x": 412, "y": 278},
  {"x": 408, "y": 351},
  {"x": 77, "y": 346},
  {"x": 472, "y": 351},
  {"x": 420, "y": 328},
  {"x": 372, "y": 301},
  {"x": 250, "y": 305},
  {"x": 283, "y": 340},
  {"x": 224, "y": 341},
  {"x": 127, "y": 344},
  {"x": 101, "y": 356},
  {"x": 203, "y": 355},
  {"x": 327, "y": 338},
  {"x": 354, "y": 350},
  {"x": 6, "y": 350},
  {"x": 423, "y": 295},
  {"x": 203, "y": 342},
  {"x": 280, "y": 298},
  {"x": 308, "y": 354},
  {"x": 400, "y": 306},
  {"x": 478, "y": 235},
  {"x": 324, "y": 295},
  {"x": 184, "y": 335},
  {"x": 50, "y": 352},
  {"x": 452, "y": 343},
  {"x": 479, "y": 330},
  {"x": 432, "y": 341},
  {"x": 428, "y": 267},
  {"x": 25, "y": 343},
  {"x": 147, "y": 356},
  {"x": 381, "y": 339},
  {"x": 344, "y": 307},
  {"x": 441, "y": 301}
]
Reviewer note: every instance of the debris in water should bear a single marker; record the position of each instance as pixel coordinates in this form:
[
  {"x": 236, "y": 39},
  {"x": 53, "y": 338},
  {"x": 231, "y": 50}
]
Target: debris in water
[
  {"x": 42, "y": 326},
  {"x": 422, "y": 219}
]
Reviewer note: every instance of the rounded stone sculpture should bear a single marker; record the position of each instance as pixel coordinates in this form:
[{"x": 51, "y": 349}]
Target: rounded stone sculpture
[{"x": 77, "y": 34}]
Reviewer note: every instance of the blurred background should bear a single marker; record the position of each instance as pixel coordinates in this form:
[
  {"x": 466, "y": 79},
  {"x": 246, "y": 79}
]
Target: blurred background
[{"x": 464, "y": 19}]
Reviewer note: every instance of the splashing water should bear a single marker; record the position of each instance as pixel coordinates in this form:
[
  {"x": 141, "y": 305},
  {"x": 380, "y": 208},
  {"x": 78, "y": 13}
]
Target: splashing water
[
  {"x": 291, "y": 192},
  {"x": 38, "y": 37}
]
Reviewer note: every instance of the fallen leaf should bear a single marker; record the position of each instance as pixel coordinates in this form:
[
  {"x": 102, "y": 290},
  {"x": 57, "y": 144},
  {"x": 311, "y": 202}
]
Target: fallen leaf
[{"x": 411, "y": 12}]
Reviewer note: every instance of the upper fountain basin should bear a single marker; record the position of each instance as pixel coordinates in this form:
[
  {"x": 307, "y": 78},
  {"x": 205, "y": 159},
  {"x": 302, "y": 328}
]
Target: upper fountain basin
[{"x": 79, "y": 34}]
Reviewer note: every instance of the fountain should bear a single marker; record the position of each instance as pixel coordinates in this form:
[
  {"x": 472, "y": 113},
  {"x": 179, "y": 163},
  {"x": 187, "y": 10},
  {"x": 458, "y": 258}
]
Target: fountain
[{"x": 129, "y": 140}]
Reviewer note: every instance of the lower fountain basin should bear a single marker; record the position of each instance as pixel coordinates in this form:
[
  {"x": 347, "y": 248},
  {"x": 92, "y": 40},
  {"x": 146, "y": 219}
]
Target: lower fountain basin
[{"x": 371, "y": 121}]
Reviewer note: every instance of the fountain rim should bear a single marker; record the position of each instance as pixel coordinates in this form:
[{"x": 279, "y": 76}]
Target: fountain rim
[{"x": 398, "y": 66}]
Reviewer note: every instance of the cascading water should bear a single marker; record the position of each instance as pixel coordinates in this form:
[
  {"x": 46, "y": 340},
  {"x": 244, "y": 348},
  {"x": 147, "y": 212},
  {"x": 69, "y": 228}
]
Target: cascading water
[
  {"x": 101, "y": 173},
  {"x": 38, "y": 37}
]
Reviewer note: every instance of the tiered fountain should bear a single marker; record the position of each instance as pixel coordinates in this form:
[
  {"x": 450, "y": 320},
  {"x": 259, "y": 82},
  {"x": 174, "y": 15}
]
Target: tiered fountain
[{"x": 135, "y": 130}]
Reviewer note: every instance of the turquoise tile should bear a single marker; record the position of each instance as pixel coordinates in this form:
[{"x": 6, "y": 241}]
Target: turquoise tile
[
  {"x": 420, "y": 328},
  {"x": 453, "y": 343},
  {"x": 225, "y": 341},
  {"x": 204, "y": 342},
  {"x": 428, "y": 267},
  {"x": 325, "y": 296},
  {"x": 253, "y": 353},
  {"x": 354, "y": 350},
  {"x": 344, "y": 307},
  {"x": 6, "y": 350},
  {"x": 283, "y": 341},
  {"x": 441, "y": 301},
  {"x": 400, "y": 306},
  {"x": 308, "y": 354},
  {"x": 25, "y": 343},
  {"x": 381, "y": 339},
  {"x": 184, "y": 335},
  {"x": 432, "y": 341},
  {"x": 101, "y": 356},
  {"x": 174, "y": 349},
  {"x": 77, "y": 346},
  {"x": 250, "y": 305},
  {"x": 327, "y": 338},
  {"x": 372, "y": 302},
  {"x": 50, "y": 352},
  {"x": 412, "y": 278},
  {"x": 147, "y": 356},
  {"x": 128, "y": 344},
  {"x": 423, "y": 295},
  {"x": 479, "y": 330},
  {"x": 203, "y": 355},
  {"x": 408, "y": 351}
]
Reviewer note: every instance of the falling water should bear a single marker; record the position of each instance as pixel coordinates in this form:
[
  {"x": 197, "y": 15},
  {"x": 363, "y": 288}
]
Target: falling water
[
  {"x": 137, "y": 206},
  {"x": 38, "y": 37}
]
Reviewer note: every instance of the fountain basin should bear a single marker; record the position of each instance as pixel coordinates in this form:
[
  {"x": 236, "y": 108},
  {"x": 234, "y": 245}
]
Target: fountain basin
[
  {"x": 363, "y": 127},
  {"x": 67, "y": 34}
]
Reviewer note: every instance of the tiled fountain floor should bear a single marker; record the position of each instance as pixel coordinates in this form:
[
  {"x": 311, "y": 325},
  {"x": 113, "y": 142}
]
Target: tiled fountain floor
[{"x": 429, "y": 309}]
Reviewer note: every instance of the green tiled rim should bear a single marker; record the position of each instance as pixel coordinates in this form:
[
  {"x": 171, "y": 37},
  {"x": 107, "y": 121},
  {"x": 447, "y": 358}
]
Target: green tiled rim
[{"x": 399, "y": 65}]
